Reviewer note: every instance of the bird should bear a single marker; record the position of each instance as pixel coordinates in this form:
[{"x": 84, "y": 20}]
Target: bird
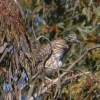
[{"x": 51, "y": 56}]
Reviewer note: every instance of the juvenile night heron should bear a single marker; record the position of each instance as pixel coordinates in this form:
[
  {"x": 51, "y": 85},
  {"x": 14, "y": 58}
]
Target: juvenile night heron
[{"x": 51, "y": 56}]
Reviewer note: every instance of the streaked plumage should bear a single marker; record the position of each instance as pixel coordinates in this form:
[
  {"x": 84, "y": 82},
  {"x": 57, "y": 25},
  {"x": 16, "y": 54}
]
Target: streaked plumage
[{"x": 51, "y": 57}]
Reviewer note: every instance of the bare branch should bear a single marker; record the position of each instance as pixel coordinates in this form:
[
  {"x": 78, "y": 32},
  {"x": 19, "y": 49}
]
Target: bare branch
[{"x": 75, "y": 76}]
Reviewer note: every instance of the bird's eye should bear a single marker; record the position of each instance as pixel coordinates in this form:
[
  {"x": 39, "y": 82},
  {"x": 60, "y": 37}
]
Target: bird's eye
[{"x": 70, "y": 38}]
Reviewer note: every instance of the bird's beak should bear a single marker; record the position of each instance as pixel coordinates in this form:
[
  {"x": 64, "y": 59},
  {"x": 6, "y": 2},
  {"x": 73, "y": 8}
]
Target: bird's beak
[{"x": 77, "y": 41}]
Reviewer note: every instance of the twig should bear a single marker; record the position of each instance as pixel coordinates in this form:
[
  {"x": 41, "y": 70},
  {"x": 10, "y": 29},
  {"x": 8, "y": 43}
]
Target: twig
[
  {"x": 91, "y": 76},
  {"x": 44, "y": 38},
  {"x": 75, "y": 76},
  {"x": 85, "y": 53}
]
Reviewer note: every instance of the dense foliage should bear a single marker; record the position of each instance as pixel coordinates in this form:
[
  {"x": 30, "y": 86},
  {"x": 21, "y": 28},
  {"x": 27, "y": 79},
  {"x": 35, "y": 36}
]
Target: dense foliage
[{"x": 25, "y": 26}]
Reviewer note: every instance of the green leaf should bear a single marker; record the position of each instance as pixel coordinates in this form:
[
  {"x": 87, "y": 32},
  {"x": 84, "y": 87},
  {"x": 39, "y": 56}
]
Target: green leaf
[{"x": 61, "y": 25}]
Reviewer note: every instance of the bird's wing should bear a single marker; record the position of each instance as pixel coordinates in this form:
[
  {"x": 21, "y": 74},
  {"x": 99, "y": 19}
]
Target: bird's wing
[{"x": 43, "y": 54}]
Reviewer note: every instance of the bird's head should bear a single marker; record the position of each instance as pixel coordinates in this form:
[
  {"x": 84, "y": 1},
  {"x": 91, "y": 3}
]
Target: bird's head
[{"x": 71, "y": 38}]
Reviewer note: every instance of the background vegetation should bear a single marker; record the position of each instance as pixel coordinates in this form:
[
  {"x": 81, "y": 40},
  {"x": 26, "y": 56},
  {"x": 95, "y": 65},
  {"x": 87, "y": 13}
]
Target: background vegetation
[{"x": 22, "y": 22}]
